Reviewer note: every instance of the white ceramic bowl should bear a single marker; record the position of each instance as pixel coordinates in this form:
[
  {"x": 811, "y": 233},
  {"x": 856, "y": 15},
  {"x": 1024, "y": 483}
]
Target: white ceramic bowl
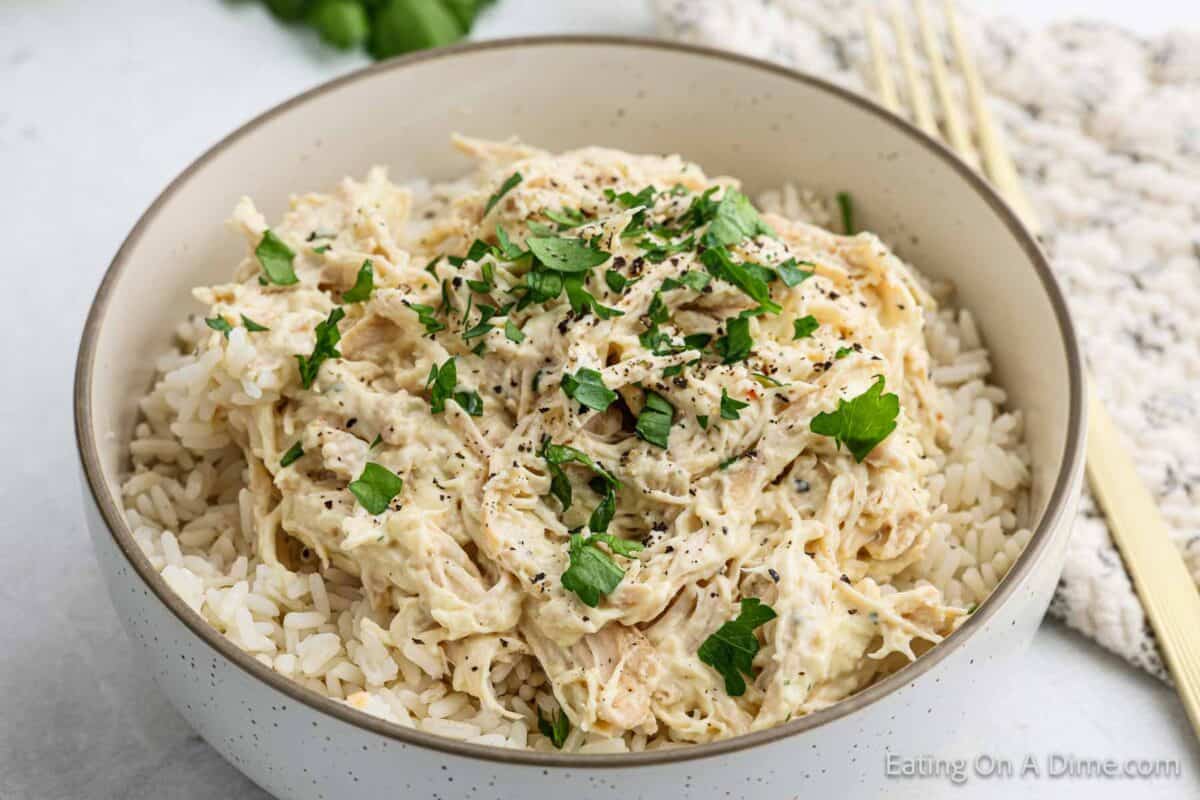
[{"x": 734, "y": 116}]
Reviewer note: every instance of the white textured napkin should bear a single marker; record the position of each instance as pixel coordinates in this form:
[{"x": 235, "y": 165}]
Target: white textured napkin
[{"x": 1105, "y": 128}]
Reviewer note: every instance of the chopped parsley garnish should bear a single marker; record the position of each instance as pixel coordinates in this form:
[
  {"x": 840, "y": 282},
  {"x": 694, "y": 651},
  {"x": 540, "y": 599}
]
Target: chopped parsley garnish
[
  {"x": 541, "y": 286},
  {"x": 512, "y": 332},
  {"x": 736, "y": 344},
  {"x": 441, "y": 384},
  {"x": 218, "y": 323},
  {"x": 657, "y": 253},
  {"x": 565, "y": 217},
  {"x": 703, "y": 420},
  {"x": 292, "y": 455},
  {"x": 560, "y": 485},
  {"x": 364, "y": 284},
  {"x": 253, "y": 326},
  {"x": 488, "y": 281},
  {"x": 378, "y": 440},
  {"x": 695, "y": 280},
  {"x": 582, "y": 300},
  {"x": 791, "y": 274},
  {"x": 483, "y": 326},
  {"x": 734, "y": 221},
  {"x": 747, "y": 277},
  {"x": 275, "y": 257},
  {"x": 507, "y": 250},
  {"x": 591, "y": 572},
  {"x": 323, "y": 248},
  {"x": 324, "y": 347},
  {"x": 862, "y": 422},
  {"x": 376, "y": 487},
  {"x": 510, "y": 182},
  {"x": 729, "y": 461},
  {"x": 587, "y": 388},
  {"x": 566, "y": 255},
  {"x": 426, "y": 315},
  {"x": 846, "y": 206},
  {"x": 701, "y": 211},
  {"x": 630, "y": 200},
  {"x": 556, "y": 729},
  {"x": 655, "y": 420},
  {"x": 803, "y": 327},
  {"x": 616, "y": 281},
  {"x": 730, "y": 408},
  {"x": 731, "y": 650},
  {"x": 842, "y": 352}
]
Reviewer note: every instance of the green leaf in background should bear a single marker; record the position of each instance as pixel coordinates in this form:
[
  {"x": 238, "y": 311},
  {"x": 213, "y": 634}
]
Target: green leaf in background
[
  {"x": 342, "y": 23},
  {"x": 289, "y": 10},
  {"x": 402, "y": 26},
  {"x": 465, "y": 11}
]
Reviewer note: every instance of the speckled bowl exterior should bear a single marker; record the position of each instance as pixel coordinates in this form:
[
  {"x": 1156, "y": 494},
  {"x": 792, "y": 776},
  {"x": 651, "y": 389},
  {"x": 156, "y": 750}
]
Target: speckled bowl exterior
[{"x": 735, "y": 116}]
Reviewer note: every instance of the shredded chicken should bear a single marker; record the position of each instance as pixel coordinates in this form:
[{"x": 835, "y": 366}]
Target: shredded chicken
[{"x": 468, "y": 559}]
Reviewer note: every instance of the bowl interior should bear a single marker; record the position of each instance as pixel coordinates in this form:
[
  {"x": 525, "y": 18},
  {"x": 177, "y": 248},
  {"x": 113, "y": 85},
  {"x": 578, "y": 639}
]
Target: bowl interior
[{"x": 732, "y": 116}]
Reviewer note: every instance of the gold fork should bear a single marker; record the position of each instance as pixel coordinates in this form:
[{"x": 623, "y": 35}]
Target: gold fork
[{"x": 1168, "y": 593}]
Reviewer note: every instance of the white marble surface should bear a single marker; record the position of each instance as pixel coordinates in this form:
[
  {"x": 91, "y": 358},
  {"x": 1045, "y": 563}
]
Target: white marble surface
[{"x": 100, "y": 105}]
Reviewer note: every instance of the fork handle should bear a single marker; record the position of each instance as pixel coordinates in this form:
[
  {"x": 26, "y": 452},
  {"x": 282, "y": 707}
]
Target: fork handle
[{"x": 1168, "y": 592}]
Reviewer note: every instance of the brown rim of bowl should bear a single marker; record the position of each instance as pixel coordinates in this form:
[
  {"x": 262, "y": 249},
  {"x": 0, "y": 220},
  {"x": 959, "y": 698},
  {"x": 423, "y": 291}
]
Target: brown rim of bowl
[{"x": 115, "y": 519}]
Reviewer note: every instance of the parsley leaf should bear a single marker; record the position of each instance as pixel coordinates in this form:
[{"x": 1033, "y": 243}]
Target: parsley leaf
[
  {"x": 657, "y": 253},
  {"x": 720, "y": 265},
  {"x": 426, "y": 316},
  {"x": 324, "y": 347},
  {"x": 292, "y": 455},
  {"x": 587, "y": 388},
  {"x": 735, "y": 220},
  {"x": 582, "y": 300},
  {"x": 483, "y": 327},
  {"x": 218, "y": 323},
  {"x": 376, "y": 487},
  {"x": 654, "y": 421},
  {"x": 735, "y": 345},
  {"x": 560, "y": 486},
  {"x": 565, "y": 217},
  {"x": 471, "y": 402},
  {"x": 695, "y": 280},
  {"x": 862, "y": 422},
  {"x": 555, "y": 730},
  {"x": 364, "y": 284},
  {"x": 730, "y": 408},
  {"x": 846, "y": 206},
  {"x": 566, "y": 255},
  {"x": 507, "y": 249},
  {"x": 842, "y": 352},
  {"x": 792, "y": 275},
  {"x": 702, "y": 419},
  {"x": 616, "y": 281},
  {"x": 509, "y": 184},
  {"x": 803, "y": 327},
  {"x": 253, "y": 326},
  {"x": 591, "y": 572},
  {"x": 731, "y": 650},
  {"x": 441, "y": 383},
  {"x": 541, "y": 286},
  {"x": 643, "y": 198},
  {"x": 512, "y": 332},
  {"x": 275, "y": 257}
]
